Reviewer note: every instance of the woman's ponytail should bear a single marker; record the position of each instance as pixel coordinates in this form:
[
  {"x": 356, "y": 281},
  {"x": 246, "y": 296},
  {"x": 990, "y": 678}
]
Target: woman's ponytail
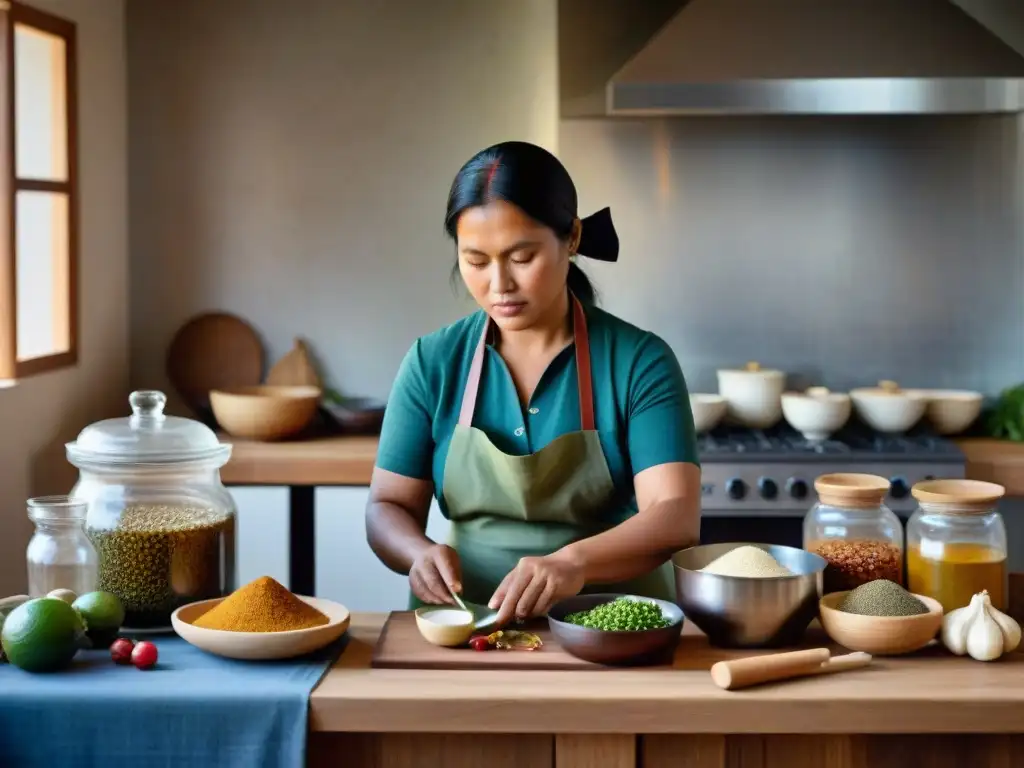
[{"x": 580, "y": 285}]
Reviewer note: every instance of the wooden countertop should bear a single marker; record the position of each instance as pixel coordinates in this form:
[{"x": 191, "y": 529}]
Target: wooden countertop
[
  {"x": 997, "y": 461},
  {"x": 349, "y": 461},
  {"x": 927, "y": 693}
]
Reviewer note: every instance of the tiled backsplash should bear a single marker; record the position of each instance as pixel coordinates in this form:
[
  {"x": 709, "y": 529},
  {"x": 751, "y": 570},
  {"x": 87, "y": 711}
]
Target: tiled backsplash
[{"x": 840, "y": 250}]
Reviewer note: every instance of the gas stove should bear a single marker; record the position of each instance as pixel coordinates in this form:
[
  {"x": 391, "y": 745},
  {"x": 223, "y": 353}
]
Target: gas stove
[{"x": 754, "y": 473}]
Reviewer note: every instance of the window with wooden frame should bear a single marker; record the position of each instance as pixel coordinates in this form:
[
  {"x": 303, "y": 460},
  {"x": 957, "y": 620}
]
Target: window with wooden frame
[{"x": 38, "y": 192}]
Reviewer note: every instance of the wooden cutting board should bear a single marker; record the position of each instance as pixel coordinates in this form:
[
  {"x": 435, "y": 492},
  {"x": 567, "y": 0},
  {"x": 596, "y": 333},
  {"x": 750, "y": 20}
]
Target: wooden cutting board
[{"x": 401, "y": 646}]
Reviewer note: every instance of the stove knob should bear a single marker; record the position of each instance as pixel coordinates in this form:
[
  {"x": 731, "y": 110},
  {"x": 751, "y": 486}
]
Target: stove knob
[
  {"x": 899, "y": 488},
  {"x": 736, "y": 488},
  {"x": 768, "y": 488},
  {"x": 797, "y": 488}
]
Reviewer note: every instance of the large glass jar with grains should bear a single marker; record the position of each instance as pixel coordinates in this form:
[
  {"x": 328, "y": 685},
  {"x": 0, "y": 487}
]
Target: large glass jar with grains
[
  {"x": 860, "y": 538},
  {"x": 159, "y": 517},
  {"x": 956, "y": 543}
]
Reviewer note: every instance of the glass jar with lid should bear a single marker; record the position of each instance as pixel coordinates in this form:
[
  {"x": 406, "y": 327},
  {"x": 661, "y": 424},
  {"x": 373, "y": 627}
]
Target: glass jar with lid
[
  {"x": 158, "y": 515},
  {"x": 860, "y": 538},
  {"x": 956, "y": 542},
  {"x": 59, "y": 554}
]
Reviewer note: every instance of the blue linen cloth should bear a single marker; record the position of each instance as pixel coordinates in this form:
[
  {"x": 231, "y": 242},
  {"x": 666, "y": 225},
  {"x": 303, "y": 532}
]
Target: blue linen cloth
[{"x": 192, "y": 709}]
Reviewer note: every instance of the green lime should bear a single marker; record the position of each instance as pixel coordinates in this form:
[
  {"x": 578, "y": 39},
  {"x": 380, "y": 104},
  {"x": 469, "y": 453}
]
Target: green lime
[
  {"x": 7, "y": 605},
  {"x": 42, "y": 635},
  {"x": 103, "y": 615}
]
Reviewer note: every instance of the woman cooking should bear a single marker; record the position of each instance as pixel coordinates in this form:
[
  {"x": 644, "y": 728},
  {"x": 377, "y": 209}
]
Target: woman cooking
[{"x": 557, "y": 438}]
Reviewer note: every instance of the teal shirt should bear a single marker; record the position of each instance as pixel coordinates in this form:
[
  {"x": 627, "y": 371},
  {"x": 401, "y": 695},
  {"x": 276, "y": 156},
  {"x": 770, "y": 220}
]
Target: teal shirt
[{"x": 641, "y": 405}]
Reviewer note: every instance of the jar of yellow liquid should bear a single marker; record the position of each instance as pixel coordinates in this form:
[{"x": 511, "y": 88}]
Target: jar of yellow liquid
[{"x": 956, "y": 542}]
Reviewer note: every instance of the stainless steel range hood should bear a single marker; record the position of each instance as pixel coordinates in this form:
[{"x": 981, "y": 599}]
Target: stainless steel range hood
[{"x": 835, "y": 57}]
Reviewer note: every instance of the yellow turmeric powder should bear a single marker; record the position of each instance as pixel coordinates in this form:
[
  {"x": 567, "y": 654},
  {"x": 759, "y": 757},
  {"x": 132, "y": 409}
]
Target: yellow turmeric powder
[{"x": 262, "y": 605}]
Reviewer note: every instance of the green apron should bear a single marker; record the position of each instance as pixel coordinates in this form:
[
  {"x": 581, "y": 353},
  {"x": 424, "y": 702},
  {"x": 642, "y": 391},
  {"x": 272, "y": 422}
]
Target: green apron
[{"x": 504, "y": 507}]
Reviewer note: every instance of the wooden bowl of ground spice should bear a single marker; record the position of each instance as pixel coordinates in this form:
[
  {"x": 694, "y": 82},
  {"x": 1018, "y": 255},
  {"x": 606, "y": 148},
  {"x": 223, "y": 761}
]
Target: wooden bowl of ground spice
[
  {"x": 881, "y": 618},
  {"x": 259, "y": 621}
]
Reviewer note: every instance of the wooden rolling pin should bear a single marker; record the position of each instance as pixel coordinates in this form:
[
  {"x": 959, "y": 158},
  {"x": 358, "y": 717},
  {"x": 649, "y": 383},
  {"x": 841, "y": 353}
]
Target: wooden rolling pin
[{"x": 753, "y": 670}]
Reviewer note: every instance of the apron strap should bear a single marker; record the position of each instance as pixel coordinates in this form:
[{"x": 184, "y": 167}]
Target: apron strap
[
  {"x": 581, "y": 338},
  {"x": 583, "y": 377},
  {"x": 473, "y": 379}
]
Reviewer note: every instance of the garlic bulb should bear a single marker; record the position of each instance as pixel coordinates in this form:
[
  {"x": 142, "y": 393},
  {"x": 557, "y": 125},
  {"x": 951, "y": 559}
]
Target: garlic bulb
[{"x": 980, "y": 630}]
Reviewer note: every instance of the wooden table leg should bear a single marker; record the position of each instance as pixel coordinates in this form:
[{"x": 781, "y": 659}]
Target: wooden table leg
[
  {"x": 432, "y": 750},
  {"x": 301, "y": 540},
  {"x": 600, "y": 750}
]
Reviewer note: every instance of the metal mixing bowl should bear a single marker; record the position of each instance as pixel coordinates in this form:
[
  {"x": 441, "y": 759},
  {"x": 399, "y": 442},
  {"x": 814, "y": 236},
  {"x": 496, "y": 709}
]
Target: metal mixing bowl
[
  {"x": 740, "y": 612},
  {"x": 648, "y": 646}
]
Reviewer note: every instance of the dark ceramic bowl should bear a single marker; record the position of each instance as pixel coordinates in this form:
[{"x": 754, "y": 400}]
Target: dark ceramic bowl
[{"x": 650, "y": 646}]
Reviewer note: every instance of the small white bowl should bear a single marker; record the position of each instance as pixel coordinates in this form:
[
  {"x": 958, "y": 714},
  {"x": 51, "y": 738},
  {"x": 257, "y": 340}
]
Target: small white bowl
[
  {"x": 816, "y": 413},
  {"x": 445, "y": 625},
  {"x": 888, "y": 408},
  {"x": 951, "y": 411},
  {"x": 261, "y": 645},
  {"x": 707, "y": 411}
]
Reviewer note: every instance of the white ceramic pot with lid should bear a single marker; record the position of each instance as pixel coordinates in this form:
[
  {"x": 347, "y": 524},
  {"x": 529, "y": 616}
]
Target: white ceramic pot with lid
[
  {"x": 887, "y": 408},
  {"x": 707, "y": 411},
  {"x": 816, "y": 413},
  {"x": 158, "y": 515},
  {"x": 753, "y": 394}
]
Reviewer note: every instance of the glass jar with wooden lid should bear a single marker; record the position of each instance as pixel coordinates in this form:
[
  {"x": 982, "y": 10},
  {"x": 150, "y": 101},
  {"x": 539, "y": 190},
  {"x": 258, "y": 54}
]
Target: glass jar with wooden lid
[
  {"x": 956, "y": 542},
  {"x": 850, "y": 526}
]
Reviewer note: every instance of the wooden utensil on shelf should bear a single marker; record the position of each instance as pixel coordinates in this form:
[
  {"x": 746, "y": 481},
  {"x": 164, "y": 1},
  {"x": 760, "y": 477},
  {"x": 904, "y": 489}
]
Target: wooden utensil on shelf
[
  {"x": 215, "y": 350},
  {"x": 740, "y": 673},
  {"x": 295, "y": 369}
]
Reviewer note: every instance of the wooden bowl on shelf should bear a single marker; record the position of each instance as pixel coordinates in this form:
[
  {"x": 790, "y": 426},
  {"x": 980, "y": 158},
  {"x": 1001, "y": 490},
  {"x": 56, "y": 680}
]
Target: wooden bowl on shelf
[
  {"x": 261, "y": 645},
  {"x": 880, "y": 635},
  {"x": 951, "y": 411},
  {"x": 265, "y": 412}
]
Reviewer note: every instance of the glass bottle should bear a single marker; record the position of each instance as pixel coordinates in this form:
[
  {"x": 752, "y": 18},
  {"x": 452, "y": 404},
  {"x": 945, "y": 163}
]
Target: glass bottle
[
  {"x": 59, "y": 554},
  {"x": 159, "y": 516},
  {"x": 860, "y": 538},
  {"x": 956, "y": 543}
]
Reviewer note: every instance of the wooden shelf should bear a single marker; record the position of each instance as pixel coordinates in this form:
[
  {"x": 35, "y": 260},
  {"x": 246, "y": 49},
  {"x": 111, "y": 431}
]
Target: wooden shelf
[
  {"x": 340, "y": 460},
  {"x": 345, "y": 460}
]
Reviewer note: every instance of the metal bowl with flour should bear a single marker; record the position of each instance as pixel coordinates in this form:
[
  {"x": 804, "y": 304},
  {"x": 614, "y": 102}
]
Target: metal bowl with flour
[{"x": 749, "y": 612}]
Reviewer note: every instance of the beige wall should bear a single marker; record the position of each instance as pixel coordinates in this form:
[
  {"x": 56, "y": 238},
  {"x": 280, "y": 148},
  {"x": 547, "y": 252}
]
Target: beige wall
[
  {"x": 293, "y": 166},
  {"x": 39, "y": 414}
]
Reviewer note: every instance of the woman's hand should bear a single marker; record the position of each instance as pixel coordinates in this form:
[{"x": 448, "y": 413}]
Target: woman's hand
[
  {"x": 433, "y": 572},
  {"x": 534, "y": 585}
]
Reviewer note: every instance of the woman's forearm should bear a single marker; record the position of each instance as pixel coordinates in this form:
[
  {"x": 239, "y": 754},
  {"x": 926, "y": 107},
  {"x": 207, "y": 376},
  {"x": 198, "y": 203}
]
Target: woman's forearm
[
  {"x": 395, "y": 535},
  {"x": 638, "y": 545}
]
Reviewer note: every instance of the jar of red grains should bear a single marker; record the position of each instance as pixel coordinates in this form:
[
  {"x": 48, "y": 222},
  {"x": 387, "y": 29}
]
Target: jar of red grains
[{"x": 850, "y": 526}]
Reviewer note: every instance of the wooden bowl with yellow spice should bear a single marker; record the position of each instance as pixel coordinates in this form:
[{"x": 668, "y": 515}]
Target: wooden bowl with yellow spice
[{"x": 259, "y": 621}]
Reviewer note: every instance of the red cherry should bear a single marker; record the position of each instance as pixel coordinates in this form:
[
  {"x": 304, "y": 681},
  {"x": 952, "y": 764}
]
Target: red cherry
[
  {"x": 121, "y": 650},
  {"x": 144, "y": 655},
  {"x": 479, "y": 643}
]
